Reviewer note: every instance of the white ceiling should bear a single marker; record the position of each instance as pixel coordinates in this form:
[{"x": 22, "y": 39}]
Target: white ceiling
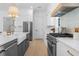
[{"x": 5, "y": 6}]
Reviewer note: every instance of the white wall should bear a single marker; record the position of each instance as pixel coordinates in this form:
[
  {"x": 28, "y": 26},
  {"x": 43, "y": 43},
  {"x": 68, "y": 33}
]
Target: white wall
[
  {"x": 70, "y": 20},
  {"x": 43, "y": 24},
  {"x": 2, "y": 14},
  {"x": 40, "y": 23},
  {"x": 25, "y": 15},
  {"x": 45, "y": 17}
]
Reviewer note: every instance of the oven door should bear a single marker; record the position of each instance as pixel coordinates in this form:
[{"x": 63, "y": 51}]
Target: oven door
[{"x": 51, "y": 49}]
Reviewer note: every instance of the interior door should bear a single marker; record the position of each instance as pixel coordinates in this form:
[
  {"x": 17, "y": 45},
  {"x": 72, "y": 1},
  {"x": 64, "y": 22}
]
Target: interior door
[{"x": 37, "y": 22}]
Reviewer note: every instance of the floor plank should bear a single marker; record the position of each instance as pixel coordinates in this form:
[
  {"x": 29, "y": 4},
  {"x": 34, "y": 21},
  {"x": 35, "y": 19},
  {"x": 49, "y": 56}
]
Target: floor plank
[{"x": 37, "y": 48}]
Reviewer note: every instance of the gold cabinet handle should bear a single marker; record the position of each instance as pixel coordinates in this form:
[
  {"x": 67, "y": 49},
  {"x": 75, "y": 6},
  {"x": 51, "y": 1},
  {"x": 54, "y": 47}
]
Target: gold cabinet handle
[{"x": 70, "y": 53}]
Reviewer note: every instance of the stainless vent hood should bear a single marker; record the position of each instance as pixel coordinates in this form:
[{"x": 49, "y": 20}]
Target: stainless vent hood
[{"x": 63, "y": 8}]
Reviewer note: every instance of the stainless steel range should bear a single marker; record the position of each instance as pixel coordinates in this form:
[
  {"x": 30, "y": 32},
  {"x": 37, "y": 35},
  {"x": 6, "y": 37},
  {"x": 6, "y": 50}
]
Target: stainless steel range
[
  {"x": 51, "y": 45},
  {"x": 51, "y": 40}
]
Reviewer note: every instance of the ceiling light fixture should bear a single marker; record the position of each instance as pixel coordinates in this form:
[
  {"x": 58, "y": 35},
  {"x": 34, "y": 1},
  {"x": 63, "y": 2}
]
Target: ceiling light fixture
[{"x": 13, "y": 11}]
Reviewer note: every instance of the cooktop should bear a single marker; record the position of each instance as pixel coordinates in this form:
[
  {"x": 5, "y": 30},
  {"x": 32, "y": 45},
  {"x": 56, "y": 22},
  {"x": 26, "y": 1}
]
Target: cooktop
[{"x": 61, "y": 34}]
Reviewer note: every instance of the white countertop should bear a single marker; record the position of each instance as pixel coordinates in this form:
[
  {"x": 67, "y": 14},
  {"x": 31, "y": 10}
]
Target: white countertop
[
  {"x": 19, "y": 35},
  {"x": 5, "y": 39},
  {"x": 71, "y": 42}
]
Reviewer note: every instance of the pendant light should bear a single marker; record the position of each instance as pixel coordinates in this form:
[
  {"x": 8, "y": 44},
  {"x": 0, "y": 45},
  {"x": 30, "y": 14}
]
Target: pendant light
[{"x": 13, "y": 11}]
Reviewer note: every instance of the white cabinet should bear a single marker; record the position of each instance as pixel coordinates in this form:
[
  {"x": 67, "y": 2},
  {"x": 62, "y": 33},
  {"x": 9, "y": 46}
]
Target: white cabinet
[
  {"x": 64, "y": 50},
  {"x": 1, "y": 24},
  {"x": 53, "y": 21}
]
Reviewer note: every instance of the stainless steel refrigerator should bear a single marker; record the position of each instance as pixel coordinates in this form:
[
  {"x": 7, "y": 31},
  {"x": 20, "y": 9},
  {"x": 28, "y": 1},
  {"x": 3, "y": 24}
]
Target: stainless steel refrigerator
[{"x": 28, "y": 27}]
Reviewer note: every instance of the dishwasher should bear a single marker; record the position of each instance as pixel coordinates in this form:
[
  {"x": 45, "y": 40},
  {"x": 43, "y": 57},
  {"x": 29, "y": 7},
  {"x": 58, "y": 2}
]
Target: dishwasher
[{"x": 9, "y": 49}]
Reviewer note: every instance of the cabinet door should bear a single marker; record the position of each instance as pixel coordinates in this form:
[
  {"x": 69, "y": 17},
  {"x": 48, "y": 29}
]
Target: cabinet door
[
  {"x": 51, "y": 21},
  {"x": 27, "y": 44},
  {"x": 62, "y": 50},
  {"x": 22, "y": 48},
  {"x": 12, "y": 50},
  {"x": 58, "y": 49}
]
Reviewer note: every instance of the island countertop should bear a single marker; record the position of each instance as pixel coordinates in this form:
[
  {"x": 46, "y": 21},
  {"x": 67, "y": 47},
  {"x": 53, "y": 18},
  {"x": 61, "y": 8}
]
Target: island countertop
[{"x": 20, "y": 36}]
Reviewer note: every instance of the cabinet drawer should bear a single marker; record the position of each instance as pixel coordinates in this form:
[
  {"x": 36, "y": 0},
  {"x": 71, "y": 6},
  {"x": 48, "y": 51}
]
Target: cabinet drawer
[
  {"x": 64, "y": 50},
  {"x": 73, "y": 52}
]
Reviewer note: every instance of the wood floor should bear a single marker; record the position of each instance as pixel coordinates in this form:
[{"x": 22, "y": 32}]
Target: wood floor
[{"x": 37, "y": 48}]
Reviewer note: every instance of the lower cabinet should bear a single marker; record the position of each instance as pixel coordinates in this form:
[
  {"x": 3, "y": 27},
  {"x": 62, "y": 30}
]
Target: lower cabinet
[
  {"x": 9, "y": 48},
  {"x": 27, "y": 44},
  {"x": 22, "y": 48},
  {"x": 64, "y": 50}
]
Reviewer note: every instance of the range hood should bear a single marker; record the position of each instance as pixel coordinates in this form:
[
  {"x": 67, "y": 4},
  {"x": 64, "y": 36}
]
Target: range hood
[{"x": 63, "y": 8}]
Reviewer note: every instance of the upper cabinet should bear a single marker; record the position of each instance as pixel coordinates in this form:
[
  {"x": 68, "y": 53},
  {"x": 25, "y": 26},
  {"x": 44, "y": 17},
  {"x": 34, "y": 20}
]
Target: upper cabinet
[
  {"x": 61, "y": 9},
  {"x": 53, "y": 22}
]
